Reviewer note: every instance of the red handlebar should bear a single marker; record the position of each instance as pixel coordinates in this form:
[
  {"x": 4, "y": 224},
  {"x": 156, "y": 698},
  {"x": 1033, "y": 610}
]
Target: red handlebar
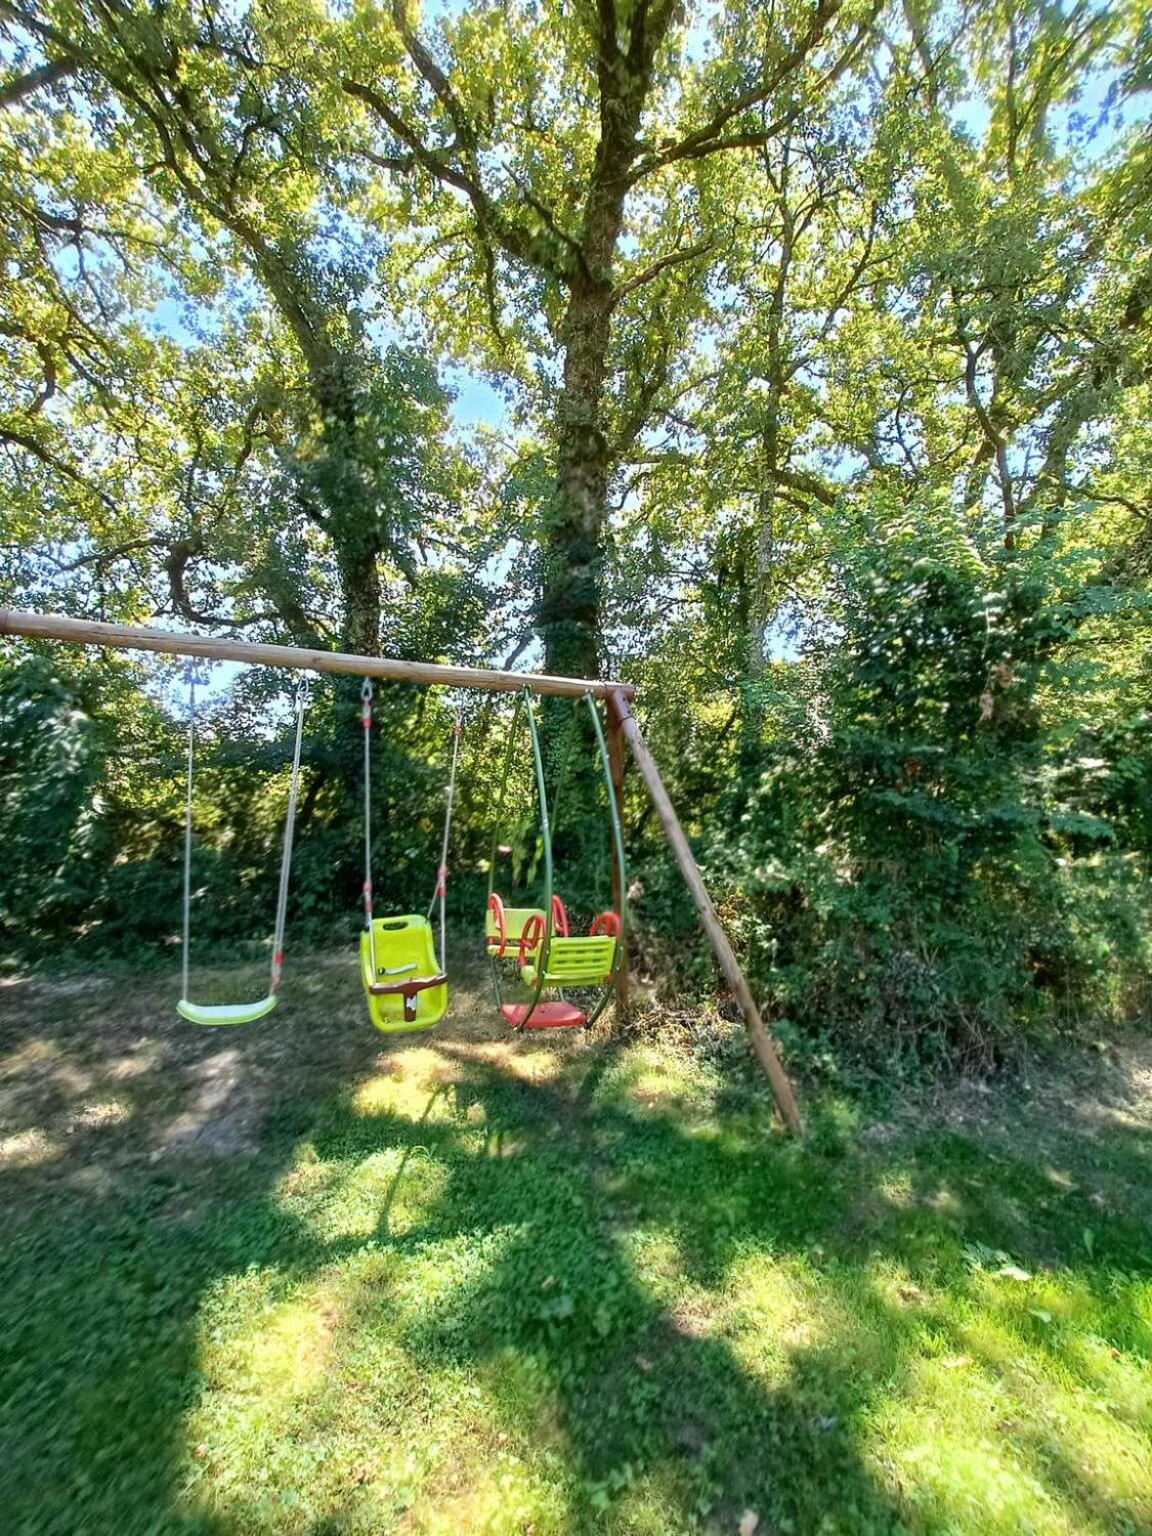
[
  {"x": 531, "y": 937},
  {"x": 500, "y": 923}
]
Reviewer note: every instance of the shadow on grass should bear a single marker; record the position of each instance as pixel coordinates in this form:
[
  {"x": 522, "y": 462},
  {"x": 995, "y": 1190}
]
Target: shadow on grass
[{"x": 550, "y": 1292}]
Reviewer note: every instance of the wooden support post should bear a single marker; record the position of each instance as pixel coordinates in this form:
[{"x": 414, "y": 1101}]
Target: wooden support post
[
  {"x": 127, "y": 637},
  {"x": 619, "y": 894},
  {"x": 762, "y": 1042}
]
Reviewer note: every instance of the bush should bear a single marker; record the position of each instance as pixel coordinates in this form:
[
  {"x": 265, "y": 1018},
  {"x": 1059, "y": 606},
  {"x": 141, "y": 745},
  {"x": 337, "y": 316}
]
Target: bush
[{"x": 922, "y": 858}]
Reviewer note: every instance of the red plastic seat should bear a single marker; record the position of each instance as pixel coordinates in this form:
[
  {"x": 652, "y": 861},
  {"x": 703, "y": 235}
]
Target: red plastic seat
[{"x": 544, "y": 1016}]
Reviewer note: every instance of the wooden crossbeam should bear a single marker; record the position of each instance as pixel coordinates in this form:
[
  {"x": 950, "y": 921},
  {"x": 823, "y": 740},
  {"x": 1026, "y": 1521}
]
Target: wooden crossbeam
[{"x": 174, "y": 642}]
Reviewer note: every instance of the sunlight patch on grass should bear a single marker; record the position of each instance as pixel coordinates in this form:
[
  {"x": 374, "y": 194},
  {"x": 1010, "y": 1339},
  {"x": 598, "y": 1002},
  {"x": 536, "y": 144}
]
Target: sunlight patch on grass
[
  {"x": 656, "y": 1258},
  {"x": 29, "y": 1149},
  {"x": 898, "y": 1189},
  {"x": 287, "y": 1356},
  {"x": 649, "y": 1505},
  {"x": 292, "y": 1404},
  {"x": 1123, "y": 1379},
  {"x": 229, "y": 1305},
  {"x": 533, "y": 1066},
  {"x": 99, "y": 1114},
  {"x": 771, "y": 1315},
  {"x": 995, "y": 1429},
  {"x": 432, "y": 1294},
  {"x": 651, "y": 1075},
  {"x": 331, "y": 1399},
  {"x": 967, "y": 1484},
  {"x": 136, "y": 1063},
  {"x": 503, "y": 1494},
  {"x": 29, "y": 1057},
  {"x": 389, "y": 1192},
  {"x": 412, "y": 1089}
]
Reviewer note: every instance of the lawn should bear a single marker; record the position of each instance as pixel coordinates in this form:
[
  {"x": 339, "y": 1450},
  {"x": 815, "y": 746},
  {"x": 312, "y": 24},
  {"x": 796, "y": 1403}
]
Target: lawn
[{"x": 301, "y": 1278}]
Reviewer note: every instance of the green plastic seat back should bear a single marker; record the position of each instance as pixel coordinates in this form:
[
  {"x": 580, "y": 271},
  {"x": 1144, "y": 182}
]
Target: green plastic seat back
[
  {"x": 515, "y": 921},
  {"x": 577, "y": 963}
]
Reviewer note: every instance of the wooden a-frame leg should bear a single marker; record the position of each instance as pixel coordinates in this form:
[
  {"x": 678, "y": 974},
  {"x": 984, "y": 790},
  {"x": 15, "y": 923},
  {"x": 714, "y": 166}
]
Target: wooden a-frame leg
[
  {"x": 619, "y": 894},
  {"x": 762, "y": 1042}
]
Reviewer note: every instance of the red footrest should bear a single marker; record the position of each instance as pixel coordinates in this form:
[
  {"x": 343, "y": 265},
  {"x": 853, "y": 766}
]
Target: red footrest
[{"x": 544, "y": 1016}]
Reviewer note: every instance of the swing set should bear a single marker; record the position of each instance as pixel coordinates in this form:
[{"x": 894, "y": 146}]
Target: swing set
[
  {"x": 404, "y": 975},
  {"x": 537, "y": 940}
]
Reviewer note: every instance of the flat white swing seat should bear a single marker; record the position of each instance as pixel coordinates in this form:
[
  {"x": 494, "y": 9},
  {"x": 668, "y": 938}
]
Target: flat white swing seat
[{"x": 226, "y": 1013}]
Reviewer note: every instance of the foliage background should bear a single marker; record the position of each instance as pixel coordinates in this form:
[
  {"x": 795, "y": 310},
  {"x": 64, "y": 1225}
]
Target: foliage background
[{"x": 816, "y": 403}]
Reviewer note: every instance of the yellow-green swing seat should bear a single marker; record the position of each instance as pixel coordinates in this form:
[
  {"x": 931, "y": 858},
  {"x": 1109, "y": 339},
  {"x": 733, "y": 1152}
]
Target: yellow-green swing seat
[
  {"x": 536, "y": 940},
  {"x": 226, "y": 1013},
  {"x": 216, "y": 1014},
  {"x": 403, "y": 983}
]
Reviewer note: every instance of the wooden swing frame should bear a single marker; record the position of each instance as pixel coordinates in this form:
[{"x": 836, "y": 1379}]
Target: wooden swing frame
[{"x": 622, "y": 728}]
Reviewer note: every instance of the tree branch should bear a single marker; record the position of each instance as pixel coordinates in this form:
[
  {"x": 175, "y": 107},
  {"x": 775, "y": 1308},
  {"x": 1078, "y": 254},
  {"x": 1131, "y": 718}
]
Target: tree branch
[
  {"x": 491, "y": 219},
  {"x": 673, "y": 259},
  {"x": 807, "y": 485},
  {"x": 711, "y": 139},
  {"x": 433, "y": 75},
  {"x": 17, "y": 439},
  {"x": 13, "y": 92}
]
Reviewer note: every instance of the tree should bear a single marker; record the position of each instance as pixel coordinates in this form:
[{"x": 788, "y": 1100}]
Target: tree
[
  {"x": 573, "y": 166},
  {"x": 209, "y": 137}
]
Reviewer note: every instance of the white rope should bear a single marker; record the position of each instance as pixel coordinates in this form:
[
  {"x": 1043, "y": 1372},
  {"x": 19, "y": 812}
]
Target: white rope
[
  {"x": 184, "y": 951},
  {"x": 366, "y": 722},
  {"x": 441, "y": 891},
  {"x": 289, "y": 834},
  {"x": 302, "y": 692}
]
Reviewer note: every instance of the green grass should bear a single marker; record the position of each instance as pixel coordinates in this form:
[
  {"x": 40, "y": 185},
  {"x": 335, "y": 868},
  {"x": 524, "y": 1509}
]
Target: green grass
[{"x": 303, "y": 1279}]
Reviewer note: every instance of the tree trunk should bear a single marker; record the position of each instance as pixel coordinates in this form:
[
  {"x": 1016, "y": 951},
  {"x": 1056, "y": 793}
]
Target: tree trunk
[
  {"x": 573, "y": 538},
  {"x": 763, "y": 605},
  {"x": 573, "y": 544},
  {"x": 351, "y": 515},
  {"x": 360, "y": 592}
]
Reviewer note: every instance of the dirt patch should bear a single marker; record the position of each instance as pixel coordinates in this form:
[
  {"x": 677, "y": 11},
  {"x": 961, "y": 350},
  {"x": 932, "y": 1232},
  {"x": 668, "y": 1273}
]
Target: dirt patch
[
  {"x": 103, "y": 1073},
  {"x": 1067, "y": 1111},
  {"x": 223, "y": 1120}
]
